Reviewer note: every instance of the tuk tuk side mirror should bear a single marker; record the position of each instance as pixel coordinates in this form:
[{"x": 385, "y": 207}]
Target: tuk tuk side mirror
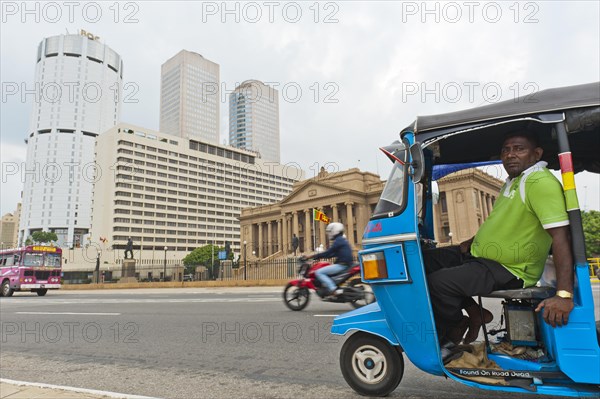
[
  {"x": 396, "y": 152},
  {"x": 417, "y": 162}
]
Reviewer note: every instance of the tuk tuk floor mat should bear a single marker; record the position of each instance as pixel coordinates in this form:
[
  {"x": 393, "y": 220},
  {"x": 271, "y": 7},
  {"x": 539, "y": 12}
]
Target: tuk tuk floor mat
[{"x": 474, "y": 365}]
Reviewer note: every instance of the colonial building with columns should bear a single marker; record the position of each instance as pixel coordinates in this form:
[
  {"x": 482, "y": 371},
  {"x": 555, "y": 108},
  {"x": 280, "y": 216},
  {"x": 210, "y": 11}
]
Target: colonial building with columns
[
  {"x": 348, "y": 197},
  {"x": 466, "y": 200}
]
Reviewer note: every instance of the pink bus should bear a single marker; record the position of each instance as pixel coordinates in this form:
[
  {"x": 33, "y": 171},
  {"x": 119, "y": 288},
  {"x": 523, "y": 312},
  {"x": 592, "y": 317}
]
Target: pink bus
[{"x": 34, "y": 268}]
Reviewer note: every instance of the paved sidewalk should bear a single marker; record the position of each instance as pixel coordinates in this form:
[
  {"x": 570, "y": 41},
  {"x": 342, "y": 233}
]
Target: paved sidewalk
[{"x": 10, "y": 389}]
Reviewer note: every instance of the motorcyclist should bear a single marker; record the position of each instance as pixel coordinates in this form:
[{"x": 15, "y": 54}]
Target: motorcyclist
[{"x": 341, "y": 250}]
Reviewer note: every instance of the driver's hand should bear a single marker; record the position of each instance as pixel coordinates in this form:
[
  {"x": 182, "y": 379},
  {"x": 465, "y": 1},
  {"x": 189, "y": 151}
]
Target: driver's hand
[{"x": 556, "y": 310}]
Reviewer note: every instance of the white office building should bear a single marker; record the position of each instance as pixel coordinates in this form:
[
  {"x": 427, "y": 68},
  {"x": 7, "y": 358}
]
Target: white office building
[
  {"x": 254, "y": 119},
  {"x": 165, "y": 191},
  {"x": 189, "y": 97},
  {"x": 78, "y": 82}
]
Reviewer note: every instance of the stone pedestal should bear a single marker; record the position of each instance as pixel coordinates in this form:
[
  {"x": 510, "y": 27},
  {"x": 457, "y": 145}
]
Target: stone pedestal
[{"x": 128, "y": 271}]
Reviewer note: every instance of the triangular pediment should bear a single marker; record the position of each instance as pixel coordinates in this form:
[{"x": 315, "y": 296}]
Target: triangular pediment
[{"x": 311, "y": 190}]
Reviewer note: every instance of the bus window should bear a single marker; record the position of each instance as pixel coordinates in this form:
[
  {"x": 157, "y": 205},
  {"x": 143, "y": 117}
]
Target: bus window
[
  {"x": 33, "y": 259},
  {"x": 52, "y": 260},
  {"x": 9, "y": 261},
  {"x": 17, "y": 259}
]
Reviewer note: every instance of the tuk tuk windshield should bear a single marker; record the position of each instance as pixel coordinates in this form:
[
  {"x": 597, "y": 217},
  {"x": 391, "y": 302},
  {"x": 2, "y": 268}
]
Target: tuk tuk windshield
[{"x": 393, "y": 197}]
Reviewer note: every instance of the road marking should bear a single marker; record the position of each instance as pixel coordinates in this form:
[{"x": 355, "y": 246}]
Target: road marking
[
  {"x": 75, "y": 389},
  {"x": 72, "y": 313},
  {"x": 121, "y": 301}
]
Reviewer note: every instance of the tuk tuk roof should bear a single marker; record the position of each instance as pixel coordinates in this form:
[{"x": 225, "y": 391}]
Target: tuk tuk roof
[{"x": 476, "y": 134}]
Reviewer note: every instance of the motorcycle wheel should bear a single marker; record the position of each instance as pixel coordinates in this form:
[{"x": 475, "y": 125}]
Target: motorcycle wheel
[
  {"x": 295, "y": 298},
  {"x": 370, "y": 365},
  {"x": 368, "y": 296}
]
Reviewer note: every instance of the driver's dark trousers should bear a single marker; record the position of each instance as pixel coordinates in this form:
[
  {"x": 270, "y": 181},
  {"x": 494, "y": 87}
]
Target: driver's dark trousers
[{"x": 454, "y": 278}]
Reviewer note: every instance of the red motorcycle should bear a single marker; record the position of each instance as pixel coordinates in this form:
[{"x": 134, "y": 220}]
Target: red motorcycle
[{"x": 297, "y": 292}]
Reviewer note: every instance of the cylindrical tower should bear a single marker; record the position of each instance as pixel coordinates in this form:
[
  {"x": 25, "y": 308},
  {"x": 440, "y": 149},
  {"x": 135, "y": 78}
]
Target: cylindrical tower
[{"x": 77, "y": 86}]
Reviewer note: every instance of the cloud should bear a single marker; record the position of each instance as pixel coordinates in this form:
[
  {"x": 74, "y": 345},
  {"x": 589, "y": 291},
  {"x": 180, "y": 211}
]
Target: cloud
[{"x": 12, "y": 159}]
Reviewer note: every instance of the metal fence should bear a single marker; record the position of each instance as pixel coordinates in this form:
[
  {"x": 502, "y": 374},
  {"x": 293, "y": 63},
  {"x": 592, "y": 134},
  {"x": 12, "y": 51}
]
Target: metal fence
[{"x": 273, "y": 269}]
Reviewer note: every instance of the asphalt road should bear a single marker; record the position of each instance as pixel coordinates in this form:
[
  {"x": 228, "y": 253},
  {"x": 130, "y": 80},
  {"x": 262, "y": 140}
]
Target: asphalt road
[{"x": 188, "y": 343}]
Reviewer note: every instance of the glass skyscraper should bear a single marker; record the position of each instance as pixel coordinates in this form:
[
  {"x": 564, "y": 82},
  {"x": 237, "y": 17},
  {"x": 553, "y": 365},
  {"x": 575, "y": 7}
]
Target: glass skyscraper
[{"x": 254, "y": 119}]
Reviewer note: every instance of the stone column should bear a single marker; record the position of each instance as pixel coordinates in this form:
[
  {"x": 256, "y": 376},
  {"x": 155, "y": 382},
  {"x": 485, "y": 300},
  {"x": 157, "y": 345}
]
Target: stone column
[
  {"x": 285, "y": 234},
  {"x": 452, "y": 223},
  {"x": 350, "y": 223},
  {"x": 278, "y": 244},
  {"x": 307, "y": 231},
  {"x": 335, "y": 213},
  {"x": 295, "y": 229},
  {"x": 251, "y": 238},
  {"x": 489, "y": 202},
  {"x": 269, "y": 238},
  {"x": 362, "y": 219},
  {"x": 322, "y": 234},
  {"x": 260, "y": 241},
  {"x": 483, "y": 205}
]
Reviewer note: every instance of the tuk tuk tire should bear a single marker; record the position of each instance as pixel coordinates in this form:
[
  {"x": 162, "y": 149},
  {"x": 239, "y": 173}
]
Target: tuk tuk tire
[
  {"x": 363, "y": 352},
  {"x": 5, "y": 289},
  {"x": 41, "y": 291},
  {"x": 302, "y": 293},
  {"x": 357, "y": 283}
]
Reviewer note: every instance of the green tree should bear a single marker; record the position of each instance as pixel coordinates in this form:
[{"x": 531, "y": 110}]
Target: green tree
[
  {"x": 591, "y": 230},
  {"x": 43, "y": 236},
  {"x": 207, "y": 255}
]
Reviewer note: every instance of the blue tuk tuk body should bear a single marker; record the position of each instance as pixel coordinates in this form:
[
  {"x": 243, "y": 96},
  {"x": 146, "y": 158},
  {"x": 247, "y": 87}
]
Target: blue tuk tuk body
[{"x": 402, "y": 317}]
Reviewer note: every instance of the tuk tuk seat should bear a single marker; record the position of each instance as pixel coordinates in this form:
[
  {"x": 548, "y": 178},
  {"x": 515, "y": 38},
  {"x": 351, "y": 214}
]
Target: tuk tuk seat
[{"x": 524, "y": 293}]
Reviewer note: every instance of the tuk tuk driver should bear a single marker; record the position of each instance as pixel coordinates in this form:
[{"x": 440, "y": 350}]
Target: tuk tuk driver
[{"x": 510, "y": 248}]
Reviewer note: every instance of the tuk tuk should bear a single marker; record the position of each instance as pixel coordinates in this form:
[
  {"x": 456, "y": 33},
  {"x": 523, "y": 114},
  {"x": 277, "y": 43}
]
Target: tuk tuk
[{"x": 401, "y": 322}]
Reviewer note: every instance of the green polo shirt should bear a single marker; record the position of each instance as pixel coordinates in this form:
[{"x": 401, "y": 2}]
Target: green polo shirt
[{"x": 515, "y": 234}]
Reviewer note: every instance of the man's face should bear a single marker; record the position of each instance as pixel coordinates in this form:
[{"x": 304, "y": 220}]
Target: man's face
[{"x": 518, "y": 154}]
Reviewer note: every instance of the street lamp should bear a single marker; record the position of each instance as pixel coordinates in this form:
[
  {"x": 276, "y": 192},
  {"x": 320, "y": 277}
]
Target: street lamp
[
  {"x": 245, "y": 269},
  {"x": 98, "y": 268},
  {"x": 165, "y": 266},
  {"x": 450, "y": 235}
]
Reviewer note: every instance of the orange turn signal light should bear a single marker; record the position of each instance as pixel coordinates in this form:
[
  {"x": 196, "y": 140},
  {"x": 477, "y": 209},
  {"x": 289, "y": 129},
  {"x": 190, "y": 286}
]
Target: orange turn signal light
[{"x": 374, "y": 266}]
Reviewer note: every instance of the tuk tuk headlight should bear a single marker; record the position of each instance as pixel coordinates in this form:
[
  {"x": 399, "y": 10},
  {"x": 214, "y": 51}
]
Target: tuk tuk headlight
[{"x": 374, "y": 266}]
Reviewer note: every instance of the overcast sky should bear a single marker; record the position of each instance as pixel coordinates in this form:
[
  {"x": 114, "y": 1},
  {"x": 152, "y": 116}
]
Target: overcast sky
[{"x": 351, "y": 75}]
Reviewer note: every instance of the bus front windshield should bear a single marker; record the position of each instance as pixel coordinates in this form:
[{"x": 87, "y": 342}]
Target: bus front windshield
[
  {"x": 52, "y": 260},
  {"x": 31, "y": 259}
]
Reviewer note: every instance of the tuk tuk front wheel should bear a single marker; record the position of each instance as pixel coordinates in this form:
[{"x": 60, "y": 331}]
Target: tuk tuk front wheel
[{"x": 370, "y": 365}]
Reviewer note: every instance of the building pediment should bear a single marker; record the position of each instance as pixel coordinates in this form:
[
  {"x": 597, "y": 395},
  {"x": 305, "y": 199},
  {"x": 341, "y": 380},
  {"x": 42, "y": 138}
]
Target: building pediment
[{"x": 311, "y": 190}]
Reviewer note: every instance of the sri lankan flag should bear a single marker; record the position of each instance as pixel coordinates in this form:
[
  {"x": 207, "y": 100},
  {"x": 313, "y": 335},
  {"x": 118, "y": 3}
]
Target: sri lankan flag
[{"x": 320, "y": 216}]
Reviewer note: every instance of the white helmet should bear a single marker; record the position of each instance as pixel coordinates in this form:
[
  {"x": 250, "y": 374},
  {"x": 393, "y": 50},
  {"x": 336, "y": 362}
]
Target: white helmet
[{"x": 333, "y": 230}]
